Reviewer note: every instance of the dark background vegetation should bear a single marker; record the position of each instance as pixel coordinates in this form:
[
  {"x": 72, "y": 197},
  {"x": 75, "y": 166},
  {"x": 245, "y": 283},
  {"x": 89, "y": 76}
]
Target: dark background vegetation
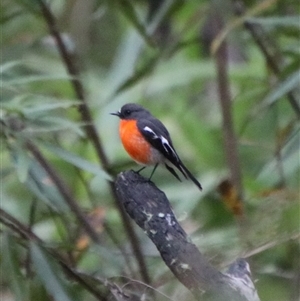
[{"x": 224, "y": 78}]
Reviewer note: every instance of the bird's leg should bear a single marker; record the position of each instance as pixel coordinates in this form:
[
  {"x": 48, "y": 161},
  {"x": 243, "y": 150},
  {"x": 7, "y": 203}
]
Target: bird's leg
[
  {"x": 138, "y": 171},
  {"x": 153, "y": 171}
]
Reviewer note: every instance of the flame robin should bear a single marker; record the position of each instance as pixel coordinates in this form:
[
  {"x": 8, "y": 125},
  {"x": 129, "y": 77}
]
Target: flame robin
[{"x": 148, "y": 142}]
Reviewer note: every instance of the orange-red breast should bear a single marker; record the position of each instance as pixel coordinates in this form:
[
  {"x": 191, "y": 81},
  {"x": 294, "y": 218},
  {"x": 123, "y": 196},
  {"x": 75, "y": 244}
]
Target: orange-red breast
[{"x": 148, "y": 142}]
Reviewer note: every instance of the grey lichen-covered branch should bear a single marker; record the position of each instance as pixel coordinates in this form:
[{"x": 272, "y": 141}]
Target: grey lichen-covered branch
[{"x": 150, "y": 209}]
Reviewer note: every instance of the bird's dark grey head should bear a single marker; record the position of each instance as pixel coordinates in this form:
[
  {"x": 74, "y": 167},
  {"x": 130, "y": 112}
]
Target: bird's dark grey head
[
  {"x": 131, "y": 111},
  {"x": 239, "y": 268}
]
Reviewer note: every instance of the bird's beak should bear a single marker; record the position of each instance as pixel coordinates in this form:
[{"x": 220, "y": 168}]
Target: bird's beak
[{"x": 116, "y": 114}]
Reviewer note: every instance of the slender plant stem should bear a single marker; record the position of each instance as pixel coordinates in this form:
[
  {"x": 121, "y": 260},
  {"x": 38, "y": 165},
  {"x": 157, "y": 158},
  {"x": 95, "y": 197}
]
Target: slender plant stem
[
  {"x": 91, "y": 132},
  {"x": 63, "y": 189},
  {"x": 268, "y": 49},
  {"x": 230, "y": 139},
  {"x": 26, "y": 233},
  {"x": 73, "y": 71}
]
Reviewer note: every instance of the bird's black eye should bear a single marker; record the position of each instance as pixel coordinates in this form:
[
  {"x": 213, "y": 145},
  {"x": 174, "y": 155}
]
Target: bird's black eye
[{"x": 127, "y": 112}]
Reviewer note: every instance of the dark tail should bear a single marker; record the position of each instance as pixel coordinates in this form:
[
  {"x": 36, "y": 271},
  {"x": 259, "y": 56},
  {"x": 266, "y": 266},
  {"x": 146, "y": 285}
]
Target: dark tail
[
  {"x": 173, "y": 172},
  {"x": 187, "y": 174}
]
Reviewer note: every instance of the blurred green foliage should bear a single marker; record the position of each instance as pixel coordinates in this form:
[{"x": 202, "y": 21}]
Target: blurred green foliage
[{"x": 127, "y": 53}]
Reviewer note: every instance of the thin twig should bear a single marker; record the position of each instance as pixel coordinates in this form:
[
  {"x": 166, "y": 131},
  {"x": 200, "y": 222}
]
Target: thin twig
[
  {"x": 92, "y": 133},
  {"x": 68, "y": 60},
  {"x": 119, "y": 246},
  {"x": 135, "y": 244},
  {"x": 62, "y": 188},
  {"x": 229, "y": 135},
  {"x": 268, "y": 49},
  {"x": 230, "y": 139},
  {"x": 26, "y": 233}
]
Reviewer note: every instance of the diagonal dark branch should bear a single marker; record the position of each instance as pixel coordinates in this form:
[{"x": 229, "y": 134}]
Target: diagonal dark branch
[
  {"x": 26, "y": 234},
  {"x": 62, "y": 188},
  {"x": 73, "y": 71},
  {"x": 90, "y": 283},
  {"x": 268, "y": 49},
  {"x": 151, "y": 210},
  {"x": 92, "y": 133}
]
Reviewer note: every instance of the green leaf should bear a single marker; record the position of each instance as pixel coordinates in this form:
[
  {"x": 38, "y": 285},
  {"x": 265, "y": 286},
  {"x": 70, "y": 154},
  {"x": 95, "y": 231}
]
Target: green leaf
[
  {"x": 138, "y": 75},
  {"x": 37, "y": 78},
  {"x": 44, "y": 108},
  {"x": 4, "y": 18},
  {"x": 289, "y": 160},
  {"x": 53, "y": 123},
  {"x": 48, "y": 274},
  {"x": 78, "y": 161},
  {"x": 22, "y": 162},
  {"x": 128, "y": 10},
  {"x": 29, "y": 6},
  {"x": 16, "y": 279},
  {"x": 284, "y": 87},
  {"x": 37, "y": 180},
  {"x": 165, "y": 9},
  {"x": 9, "y": 65},
  {"x": 125, "y": 61},
  {"x": 41, "y": 185},
  {"x": 277, "y": 21}
]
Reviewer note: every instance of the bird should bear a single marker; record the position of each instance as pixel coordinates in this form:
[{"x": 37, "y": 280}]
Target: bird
[
  {"x": 240, "y": 274},
  {"x": 148, "y": 142}
]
